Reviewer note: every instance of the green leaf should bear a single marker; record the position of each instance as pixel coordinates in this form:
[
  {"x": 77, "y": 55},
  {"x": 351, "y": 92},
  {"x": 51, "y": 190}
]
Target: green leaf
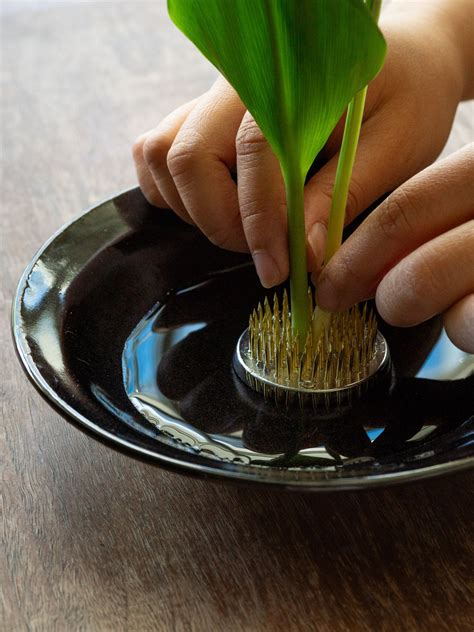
[{"x": 295, "y": 64}]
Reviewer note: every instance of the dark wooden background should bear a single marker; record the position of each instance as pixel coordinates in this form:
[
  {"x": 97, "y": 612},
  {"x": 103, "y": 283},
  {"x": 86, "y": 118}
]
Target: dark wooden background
[{"x": 93, "y": 540}]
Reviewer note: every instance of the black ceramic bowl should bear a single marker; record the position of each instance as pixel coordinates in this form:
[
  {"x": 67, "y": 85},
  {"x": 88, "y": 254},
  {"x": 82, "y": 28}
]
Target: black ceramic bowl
[{"x": 126, "y": 321}]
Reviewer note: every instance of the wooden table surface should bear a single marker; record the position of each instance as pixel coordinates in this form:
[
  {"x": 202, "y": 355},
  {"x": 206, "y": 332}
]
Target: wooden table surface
[{"x": 92, "y": 539}]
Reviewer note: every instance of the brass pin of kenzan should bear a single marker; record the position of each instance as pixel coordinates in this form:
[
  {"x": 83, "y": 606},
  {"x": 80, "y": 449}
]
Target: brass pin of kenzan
[{"x": 330, "y": 370}]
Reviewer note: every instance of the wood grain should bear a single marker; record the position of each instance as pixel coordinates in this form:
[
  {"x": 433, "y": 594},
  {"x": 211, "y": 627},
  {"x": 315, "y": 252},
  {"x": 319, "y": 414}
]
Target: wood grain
[{"x": 93, "y": 540}]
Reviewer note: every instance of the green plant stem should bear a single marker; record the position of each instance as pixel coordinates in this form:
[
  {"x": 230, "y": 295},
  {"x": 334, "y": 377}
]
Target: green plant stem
[
  {"x": 294, "y": 185},
  {"x": 294, "y": 188},
  {"x": 337, "y": 213},
  {"x": 345, "y": 165}
]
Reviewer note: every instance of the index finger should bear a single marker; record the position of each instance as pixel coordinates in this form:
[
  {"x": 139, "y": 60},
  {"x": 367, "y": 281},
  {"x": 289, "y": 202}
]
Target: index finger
[
  {"x": 262, "y": 203},
  {"x": 433, "y": 202}
]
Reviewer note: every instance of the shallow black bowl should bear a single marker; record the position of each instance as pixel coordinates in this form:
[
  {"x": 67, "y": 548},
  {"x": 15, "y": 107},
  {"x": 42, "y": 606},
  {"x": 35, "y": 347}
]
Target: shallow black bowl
[{"x": 87, "y": 288}]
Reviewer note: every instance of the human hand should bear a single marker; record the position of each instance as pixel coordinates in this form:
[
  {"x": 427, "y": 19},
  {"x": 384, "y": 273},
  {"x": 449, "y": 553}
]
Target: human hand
[
  {"x": 420, "y": 245},
  {"x": 188, "y": 162}
]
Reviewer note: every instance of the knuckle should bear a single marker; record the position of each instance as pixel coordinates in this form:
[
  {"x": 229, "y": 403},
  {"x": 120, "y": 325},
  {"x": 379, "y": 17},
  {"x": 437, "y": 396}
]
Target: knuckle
[
  {"x": 255, "y": 221},
  {"x": 347, "y": 274},
  {"x": 219, "y": 236},
  {"x": 183, "y": 155},
  {"x": 354, "y": 201},
  {"x": 251, "y": 209},
  {"x": 354, "y": 197},
  {"x": 137, "y": 148},
  {"x": 252, "y": 214},
  {"x": 394, "y": 217},
  {"x": 179, "y": 159},
  {"x": 155, "y": 150},
  {"x": 422, "y": 280},
  {"x": 152, "y": 196},
  {"x": 325, "y": 189},
  {"x": 249, "y": 140}
]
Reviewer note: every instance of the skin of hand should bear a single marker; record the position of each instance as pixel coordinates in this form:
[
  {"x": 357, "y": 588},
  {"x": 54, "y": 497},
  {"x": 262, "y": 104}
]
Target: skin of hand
[
  {"x": 420, "y": 245},
  {"x": 189, "y": 161}
]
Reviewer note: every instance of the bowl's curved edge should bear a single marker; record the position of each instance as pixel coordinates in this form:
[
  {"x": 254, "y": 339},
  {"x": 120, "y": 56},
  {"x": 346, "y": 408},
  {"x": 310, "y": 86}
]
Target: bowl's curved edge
[{"x": 211, "y": 471}]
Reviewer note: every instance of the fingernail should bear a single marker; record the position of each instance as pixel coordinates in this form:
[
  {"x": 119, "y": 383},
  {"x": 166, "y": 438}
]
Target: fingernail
[
  {"x": 317, "y": 236},
  {"x": 267, "y": 269},
  {"x": 326, "y": 295}
]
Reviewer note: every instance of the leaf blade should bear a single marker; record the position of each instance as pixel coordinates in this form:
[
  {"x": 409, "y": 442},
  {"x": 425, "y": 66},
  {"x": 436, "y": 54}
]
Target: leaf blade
[{"x": 295, "y": 65}]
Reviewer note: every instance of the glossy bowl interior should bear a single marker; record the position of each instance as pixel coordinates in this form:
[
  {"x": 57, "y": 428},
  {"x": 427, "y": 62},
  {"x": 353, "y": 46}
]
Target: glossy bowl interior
[{"x": 124, "y": 266}]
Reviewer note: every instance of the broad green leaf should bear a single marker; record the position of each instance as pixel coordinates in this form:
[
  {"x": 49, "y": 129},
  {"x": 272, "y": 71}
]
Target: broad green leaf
[{"x": 295, "y": 64}]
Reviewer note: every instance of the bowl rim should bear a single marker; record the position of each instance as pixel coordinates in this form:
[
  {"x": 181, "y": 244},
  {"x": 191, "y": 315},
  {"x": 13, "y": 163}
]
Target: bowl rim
[{"x": 208, "y": 468}]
